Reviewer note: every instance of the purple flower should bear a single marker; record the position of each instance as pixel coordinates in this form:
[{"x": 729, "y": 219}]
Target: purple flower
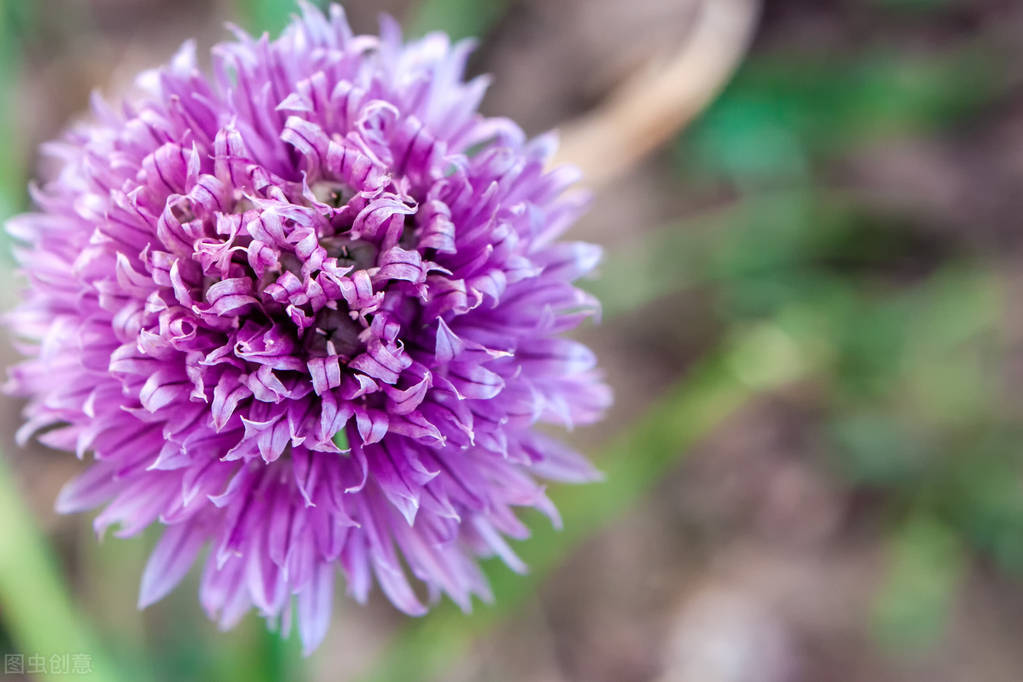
[{"x": 308, "y": 311}]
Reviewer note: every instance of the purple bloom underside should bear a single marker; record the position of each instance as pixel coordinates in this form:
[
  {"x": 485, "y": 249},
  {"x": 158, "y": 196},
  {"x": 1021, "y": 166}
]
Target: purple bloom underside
[{"x": 308, "y": 312}]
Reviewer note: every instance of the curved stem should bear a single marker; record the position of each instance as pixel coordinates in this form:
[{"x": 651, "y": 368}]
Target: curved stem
[{"x": 660, "y": 99}]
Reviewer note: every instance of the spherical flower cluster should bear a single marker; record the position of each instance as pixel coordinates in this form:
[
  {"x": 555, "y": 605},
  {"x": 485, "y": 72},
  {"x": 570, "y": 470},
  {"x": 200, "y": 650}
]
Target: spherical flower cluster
[{"x": 307, "y": 311}]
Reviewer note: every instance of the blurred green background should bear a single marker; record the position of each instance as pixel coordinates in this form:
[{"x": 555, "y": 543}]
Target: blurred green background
[{"x": 813, "y": 469}]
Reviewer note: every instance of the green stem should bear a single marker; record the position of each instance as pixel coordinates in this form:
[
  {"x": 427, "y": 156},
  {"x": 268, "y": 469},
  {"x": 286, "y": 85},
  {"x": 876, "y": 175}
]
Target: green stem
[{"x": 34, "y": 602}]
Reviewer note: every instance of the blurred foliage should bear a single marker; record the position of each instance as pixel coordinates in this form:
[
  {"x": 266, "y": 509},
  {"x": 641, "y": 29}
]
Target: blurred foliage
[
  {"x": 912, "y": 323},
  {"x": 16, "y": 18},
  {"x": 926, "y": 567},
  {"x": 458, "y": 18},
  {"x": 785, "y": 113},
  {"x": 270, "y": 16}
]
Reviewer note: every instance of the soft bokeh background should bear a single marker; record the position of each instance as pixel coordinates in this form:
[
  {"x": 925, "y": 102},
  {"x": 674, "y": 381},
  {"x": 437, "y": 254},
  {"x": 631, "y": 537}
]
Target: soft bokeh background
[{"x": 814, "y": 469}]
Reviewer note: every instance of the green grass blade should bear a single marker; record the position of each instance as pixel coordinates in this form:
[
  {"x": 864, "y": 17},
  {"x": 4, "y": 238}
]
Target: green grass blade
[{"x": 35, "y": 603}]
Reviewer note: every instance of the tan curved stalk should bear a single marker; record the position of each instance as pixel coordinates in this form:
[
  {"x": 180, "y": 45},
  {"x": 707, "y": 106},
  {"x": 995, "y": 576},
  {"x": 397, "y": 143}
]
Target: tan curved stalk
[{"x": 662, "y": 97}]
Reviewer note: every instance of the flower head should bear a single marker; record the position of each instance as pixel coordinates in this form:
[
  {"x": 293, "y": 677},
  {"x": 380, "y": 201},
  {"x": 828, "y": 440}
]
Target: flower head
[{"x": 307, "y": 311}]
